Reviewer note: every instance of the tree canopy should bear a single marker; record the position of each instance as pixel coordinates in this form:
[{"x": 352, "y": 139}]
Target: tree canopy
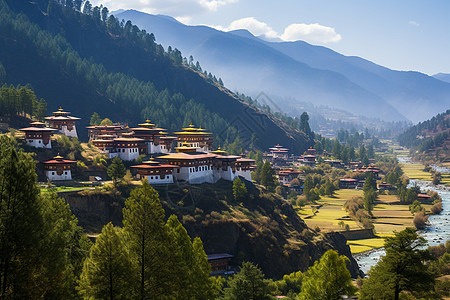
[
  {"x": 41, "y": 245},
  {"x": 401, "y": 269},
  {"x": 328, "y": 278},
  {"x": 249, "y": 283},
  {"x": 239, "y": 189},
  {"x": 116, "y": 170}
]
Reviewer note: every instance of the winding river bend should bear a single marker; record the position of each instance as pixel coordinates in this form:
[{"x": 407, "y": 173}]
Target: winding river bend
[{"x": 438, "y": 231}]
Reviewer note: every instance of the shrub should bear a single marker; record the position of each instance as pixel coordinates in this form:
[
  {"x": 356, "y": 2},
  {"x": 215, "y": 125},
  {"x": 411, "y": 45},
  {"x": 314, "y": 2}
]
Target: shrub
[
  {"x": 420, "y": 220},
  {"x": 437, "y": 251},
  {"x": 216, "y": 215},
  {"x": 415, "y": 207},
  {"x": 188, "y": 218},
  {"x": 436, "y": 208},
  {"x": 301, "y": 201},
  {"x": 367, "y": 223}
]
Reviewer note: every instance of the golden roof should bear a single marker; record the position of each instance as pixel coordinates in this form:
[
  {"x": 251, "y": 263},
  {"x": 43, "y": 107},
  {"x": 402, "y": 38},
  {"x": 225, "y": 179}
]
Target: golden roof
[
  {"x": 147, "y": 124},
  {"x": 192, "y": 130},
  {"x": 58, "y": 157},
  {"x": 151, "y": 161},
  {"x": 185, "y": 147},
  {"x": 219, "y": 151}
]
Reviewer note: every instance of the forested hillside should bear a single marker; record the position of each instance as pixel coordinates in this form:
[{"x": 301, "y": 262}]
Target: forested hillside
[
  {"x": 90, "y": 62},
  {"x": 430, "y": 138},
  {"x": 20, "y": 102}
]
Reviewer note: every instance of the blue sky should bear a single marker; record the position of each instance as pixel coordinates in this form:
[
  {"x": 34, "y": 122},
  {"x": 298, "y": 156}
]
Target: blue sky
[{"x": 400, "y": 34}]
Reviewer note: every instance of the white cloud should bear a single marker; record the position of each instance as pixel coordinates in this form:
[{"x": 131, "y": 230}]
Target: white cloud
[
  {"x": 254, "y": 26},
  {"x": 414, "y": 23},
  {"x": 182, "y": 9},
  {"x": 312, "y": 33},
  {"x": 213, "y": 5}
]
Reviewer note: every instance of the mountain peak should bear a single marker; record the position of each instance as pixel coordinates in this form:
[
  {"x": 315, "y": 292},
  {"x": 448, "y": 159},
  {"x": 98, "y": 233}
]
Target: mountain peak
[{"x": 242, "y": 33}]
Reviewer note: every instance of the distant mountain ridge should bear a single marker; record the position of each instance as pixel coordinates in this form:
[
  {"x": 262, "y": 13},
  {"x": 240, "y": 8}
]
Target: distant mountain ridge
[
  {"x": 442, "y": 76},
  {"x": 237, "y": 55},
  {"x": 297, "y": 69}
]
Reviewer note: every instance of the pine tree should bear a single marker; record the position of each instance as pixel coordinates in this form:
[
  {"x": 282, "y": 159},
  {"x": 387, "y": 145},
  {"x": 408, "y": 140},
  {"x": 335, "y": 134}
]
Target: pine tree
[
  {"x": 328, "y": 278},
  {"x": 151, "y": 248},
  {"x": 268, "y": 176},
  {"x": 370, "y": 183},
  {"x": 403, "y": 268},
  {"x": 116, "y": 170},
  {"x": 249, "y": 283},
  {"x": 205, "y": 287},
  {"x": 239, "y": 189},
  {"x": 95, "y": 119},
  {"x": 64, "y": 247},
  {"x": 192, "y": 265},
  {"x": 107, "y": 271},
  {"x": 370, "y": 193},
  {"x": 41, "y": 245},
  {"x": 329, "y": 188},
  {"x": 308, "y": 188},
  {"x": 20, "y": 225},
  {"x": 362, "y": 152},
  {"x": 256, "y": 175},
  {"x": 304, "y": 126}
]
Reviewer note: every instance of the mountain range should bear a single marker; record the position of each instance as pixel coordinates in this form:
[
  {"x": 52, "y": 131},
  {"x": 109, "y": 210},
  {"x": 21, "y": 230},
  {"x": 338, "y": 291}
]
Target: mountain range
[{"x": 292, "y": 72}]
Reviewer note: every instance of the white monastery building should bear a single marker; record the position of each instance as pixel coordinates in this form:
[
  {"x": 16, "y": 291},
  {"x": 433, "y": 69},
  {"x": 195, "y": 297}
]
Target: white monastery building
[
  {"x": 38, "y": 135},
  {"x": 62, "y": 121},
  {"x": 198, "y": 167},
  {"x": 129, "y": 143},
  {"x": 155, "y": 172},
  {"x": 58, "y": 168}
]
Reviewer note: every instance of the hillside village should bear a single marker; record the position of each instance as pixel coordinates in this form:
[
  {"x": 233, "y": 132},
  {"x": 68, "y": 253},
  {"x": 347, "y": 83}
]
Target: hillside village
[{"x": 187, "y": 156}]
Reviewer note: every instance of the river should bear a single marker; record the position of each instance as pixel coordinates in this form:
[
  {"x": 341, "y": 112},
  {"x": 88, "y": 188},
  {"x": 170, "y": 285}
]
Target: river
[{"x": 437, "y": 232}]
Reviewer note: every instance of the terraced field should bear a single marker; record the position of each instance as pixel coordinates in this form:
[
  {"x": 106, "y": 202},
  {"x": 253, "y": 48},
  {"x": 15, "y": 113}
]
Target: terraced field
[
  {"x": 389, "y": 216},
  {"x": 415, "y": 171}
]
